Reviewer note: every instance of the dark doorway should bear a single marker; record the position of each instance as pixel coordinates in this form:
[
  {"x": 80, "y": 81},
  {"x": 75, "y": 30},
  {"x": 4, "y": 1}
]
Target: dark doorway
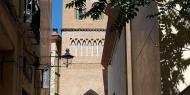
[{"x": 90, "y": 92}]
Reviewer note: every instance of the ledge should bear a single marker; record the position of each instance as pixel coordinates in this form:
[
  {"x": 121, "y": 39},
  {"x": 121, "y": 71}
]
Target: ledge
[{"x": 83, "y": 29}]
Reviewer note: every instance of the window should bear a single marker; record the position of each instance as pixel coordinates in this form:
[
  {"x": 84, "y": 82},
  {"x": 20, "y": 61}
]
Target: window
[
  {"x": 96, "y": 4},
  {"x": 79, "y": 13},
  {"x": 100, "y": 17},
  {"x": 28, "y": 11},
  {"x": 46, "y": 80},
  {"x": 30, "y": 8}
]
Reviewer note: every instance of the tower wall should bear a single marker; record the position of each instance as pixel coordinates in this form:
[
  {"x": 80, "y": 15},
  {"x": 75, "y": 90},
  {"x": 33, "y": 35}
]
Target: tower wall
[
  {"x": 85, "y": 40},
  {"x": 70, "y": 21}
]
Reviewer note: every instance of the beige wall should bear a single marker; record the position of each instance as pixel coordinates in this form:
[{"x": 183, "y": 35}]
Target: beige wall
[
  {"x": 53, "y": 70},
  {"x": 54, "y": 76},
  {"x": 77, "y": 79},
  {"x": 86, "y": 71},
  {"x": 143, "y": 78},
  {"x": 145, "y": 53},
  {"x": 69, "y": 20}
]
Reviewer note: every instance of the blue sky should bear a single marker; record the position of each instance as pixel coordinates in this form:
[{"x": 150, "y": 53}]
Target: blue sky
[{"x": 57, "y": 14}]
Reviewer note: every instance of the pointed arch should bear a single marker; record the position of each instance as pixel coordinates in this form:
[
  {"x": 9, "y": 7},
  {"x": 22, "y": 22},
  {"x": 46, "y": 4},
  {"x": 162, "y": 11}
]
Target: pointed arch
[
  {"x": 92, "y": 40},
  {"x": 103, "y": 40},
  {"x": 94, "y": 43},
  {"x": 89, "y": 43},
  {"x": 84, "y": 43},
  {"x": 78, "y": 42},
  {"x": 100, "y": 42},
  {"x": 72, "y": 42}
]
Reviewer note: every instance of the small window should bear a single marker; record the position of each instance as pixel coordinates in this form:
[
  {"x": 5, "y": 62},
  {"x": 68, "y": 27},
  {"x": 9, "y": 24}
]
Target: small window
[
  {"x": 79, "y": 13},
  {"x": 31, "y": 7},
  {"x": 45, "y": 80},
  {"x": 100, "y": 17},
  {"x": 96, "y": 4}
]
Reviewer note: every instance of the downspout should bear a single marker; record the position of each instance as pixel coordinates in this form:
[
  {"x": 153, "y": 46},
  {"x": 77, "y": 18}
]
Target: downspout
[{"x": 128, "y": 51}]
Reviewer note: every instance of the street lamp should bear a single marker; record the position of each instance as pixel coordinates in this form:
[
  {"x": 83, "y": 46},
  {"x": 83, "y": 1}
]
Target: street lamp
[
  {"x": 67, "y": 58},
  {"x": 45, "y": 69}
]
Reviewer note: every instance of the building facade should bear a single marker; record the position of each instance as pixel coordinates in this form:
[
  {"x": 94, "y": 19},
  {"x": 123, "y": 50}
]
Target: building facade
[
  {"x": 45, "y": 45},
  {"x": 131, "y": 55},
  {"x": 22, "y": 24},
  {"x": 85, "y": 40},
  {"x": 55, "y": 61},
  {"x": 19, "y": 33}
]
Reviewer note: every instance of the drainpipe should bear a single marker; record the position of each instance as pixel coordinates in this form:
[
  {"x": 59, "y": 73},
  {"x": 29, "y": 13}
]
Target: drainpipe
[{"x": 129, "y": 58}]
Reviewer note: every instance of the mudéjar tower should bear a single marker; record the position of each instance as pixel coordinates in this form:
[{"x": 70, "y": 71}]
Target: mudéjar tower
[{"x": 85, "y": 40}]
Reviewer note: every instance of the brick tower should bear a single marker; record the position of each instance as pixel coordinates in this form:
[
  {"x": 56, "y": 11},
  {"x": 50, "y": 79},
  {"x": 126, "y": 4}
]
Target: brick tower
[{"x": 85, "y": 39}]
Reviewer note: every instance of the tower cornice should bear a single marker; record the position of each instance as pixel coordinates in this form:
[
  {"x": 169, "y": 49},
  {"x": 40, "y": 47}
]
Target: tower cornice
[{"x": 83, "y": 29}]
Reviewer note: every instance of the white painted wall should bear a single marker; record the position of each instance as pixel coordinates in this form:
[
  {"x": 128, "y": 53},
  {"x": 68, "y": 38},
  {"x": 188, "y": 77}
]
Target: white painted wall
[
  {"x": 117, "y": 71},
  {"x": 53, "y": 76}
]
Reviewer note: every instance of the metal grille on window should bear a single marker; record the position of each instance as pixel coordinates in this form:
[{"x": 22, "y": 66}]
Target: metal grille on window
[{"x": 30, "y": 8}]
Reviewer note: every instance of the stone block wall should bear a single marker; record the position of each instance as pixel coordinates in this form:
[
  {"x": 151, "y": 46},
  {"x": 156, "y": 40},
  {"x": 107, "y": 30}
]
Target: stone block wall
[{"x": 78, "y": 79}]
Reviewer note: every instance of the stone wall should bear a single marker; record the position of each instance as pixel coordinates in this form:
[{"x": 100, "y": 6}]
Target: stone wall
[
  {"x": 70, "y": 21},
  {"x": 78, "y": 79},
  {"x": 85, "y": 73},
  {"x": 85, "y": 39}
]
